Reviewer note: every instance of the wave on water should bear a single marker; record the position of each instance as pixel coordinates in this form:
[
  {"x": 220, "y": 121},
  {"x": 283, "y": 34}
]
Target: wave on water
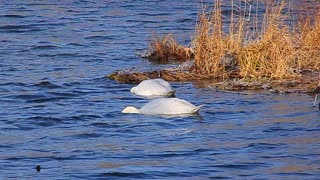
[
  {"x": 46, "y": 84},
  {"x": 12, "y": 16},
  {"x": 44, "y": 47},
  {"x": 18, "y": 28}
]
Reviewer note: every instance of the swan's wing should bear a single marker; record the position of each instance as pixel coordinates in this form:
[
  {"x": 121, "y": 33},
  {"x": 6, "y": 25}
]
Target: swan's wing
[
  {"x": 154, "y": 87},
  {"x": 184, "y": 106},
  {"x": 169, "y": 106},
  {"x": 155, "y": 106},
  {"x": 162, "y": 82},
  {"x": 147, "y": 88},
  {"x": 178, "y": 101}
]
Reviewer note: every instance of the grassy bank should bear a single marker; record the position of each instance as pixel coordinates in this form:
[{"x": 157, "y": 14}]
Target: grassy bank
[
  {"x": 272, "y": 47},
  {"x": 256, "y": 42}
]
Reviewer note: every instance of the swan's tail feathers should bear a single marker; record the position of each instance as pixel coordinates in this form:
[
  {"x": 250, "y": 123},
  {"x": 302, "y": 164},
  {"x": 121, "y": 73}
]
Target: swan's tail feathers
[
  {"x": 196, "y": 110},
  {"x": 171, "y": 93}
]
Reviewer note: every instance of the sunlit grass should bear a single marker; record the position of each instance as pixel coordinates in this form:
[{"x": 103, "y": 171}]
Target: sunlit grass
[
  {"x": 265, "y": 48},
  {"x": 166, "y": 48},
  {"x": 257, "y": 41}
]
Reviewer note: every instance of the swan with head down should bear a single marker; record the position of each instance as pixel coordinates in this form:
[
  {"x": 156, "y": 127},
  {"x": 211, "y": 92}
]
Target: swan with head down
[
  {"x": 165, "y": 106},
  {"x": 153, "y": 87}
]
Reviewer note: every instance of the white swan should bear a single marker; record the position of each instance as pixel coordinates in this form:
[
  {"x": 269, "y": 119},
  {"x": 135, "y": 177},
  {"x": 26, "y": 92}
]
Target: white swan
[
  {"x": 165, "y": 106},
  {"x": 153, "y": 87}
]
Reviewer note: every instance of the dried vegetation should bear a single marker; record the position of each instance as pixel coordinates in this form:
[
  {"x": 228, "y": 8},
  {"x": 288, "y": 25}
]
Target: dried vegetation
[
  {"x": 166, "y": 48},
  {"x": 271, "y": 47},
  {"x": 274, "y": 46}
]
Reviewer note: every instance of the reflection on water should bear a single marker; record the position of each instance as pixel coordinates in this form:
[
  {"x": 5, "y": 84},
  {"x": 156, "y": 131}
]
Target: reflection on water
[{"x": 58, "y": 111}]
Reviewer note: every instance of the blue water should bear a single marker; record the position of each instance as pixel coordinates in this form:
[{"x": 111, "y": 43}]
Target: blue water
[{"x": 58, "y": 111}]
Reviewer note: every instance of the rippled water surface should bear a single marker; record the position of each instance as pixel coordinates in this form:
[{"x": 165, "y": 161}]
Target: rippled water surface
[{"x": 58, "y": 111}]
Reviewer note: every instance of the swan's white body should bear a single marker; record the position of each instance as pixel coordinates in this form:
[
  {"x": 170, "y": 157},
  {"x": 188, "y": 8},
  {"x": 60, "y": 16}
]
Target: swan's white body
[
  {"x": 165, "y": 106},
  {"x": 153, "y": 87}
]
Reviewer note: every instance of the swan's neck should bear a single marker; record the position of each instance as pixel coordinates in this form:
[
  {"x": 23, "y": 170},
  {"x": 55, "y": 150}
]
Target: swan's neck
[
  {"x": 133, "y": 90},
  {"x": 130, "y": 109}
]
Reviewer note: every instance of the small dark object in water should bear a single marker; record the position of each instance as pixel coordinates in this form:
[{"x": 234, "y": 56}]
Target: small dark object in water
[
  {"x": 319, "y": 106},
  {"x": 38, "y": 168}
]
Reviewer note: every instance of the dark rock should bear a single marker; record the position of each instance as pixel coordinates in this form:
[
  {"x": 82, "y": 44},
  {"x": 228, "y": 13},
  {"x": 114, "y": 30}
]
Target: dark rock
[{"x": 38, "y": 168}]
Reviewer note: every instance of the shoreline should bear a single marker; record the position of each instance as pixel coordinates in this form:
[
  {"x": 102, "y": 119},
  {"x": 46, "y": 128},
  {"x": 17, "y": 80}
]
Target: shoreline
[
  {"x": 278, "y": 54},
  {"x": 306, "y": 82}
]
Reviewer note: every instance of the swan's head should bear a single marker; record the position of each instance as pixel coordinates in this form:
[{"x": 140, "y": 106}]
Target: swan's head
[
  {"x": 130, "y": 109},
  {"x": 133, "y": 90}
]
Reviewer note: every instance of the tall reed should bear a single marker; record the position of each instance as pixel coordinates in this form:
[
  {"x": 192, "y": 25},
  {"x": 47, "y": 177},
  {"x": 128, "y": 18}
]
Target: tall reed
[
  {"x": 208, "y": 41},
  {"x": 308, "y": 42},
  {"x": 267, "y": 47},
  {"x": 271, "y": 54}
]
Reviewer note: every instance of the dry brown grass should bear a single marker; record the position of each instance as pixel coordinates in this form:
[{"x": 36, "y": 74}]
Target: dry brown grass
[
  {"x": 271, "y": 55},
  {"x": 270, "y": 51},
  {"x": 208, "y": 42},
  {"x": 308, "y": 38},
  {"x": 166, "y": 48},
  {"x": 272, "y": 48}
]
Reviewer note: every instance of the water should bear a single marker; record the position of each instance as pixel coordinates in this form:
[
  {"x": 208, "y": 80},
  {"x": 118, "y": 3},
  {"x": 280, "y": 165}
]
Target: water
[{"x": 58, "y": 111}]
